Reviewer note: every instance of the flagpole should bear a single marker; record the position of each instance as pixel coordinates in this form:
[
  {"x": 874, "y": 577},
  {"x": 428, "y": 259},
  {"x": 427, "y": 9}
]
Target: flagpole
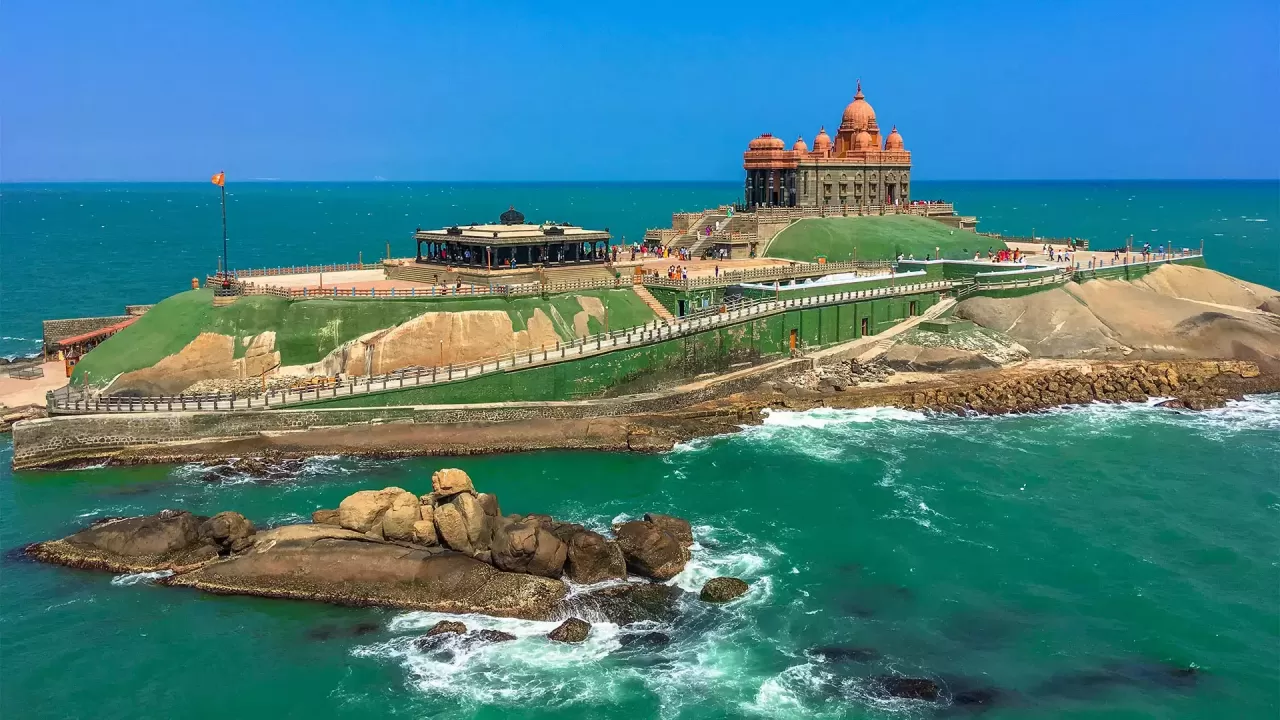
[{"x": 226, "y": 269}]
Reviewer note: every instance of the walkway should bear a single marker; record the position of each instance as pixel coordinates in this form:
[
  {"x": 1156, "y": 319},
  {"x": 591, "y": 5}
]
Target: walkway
[{"x": 69, "y": 401}]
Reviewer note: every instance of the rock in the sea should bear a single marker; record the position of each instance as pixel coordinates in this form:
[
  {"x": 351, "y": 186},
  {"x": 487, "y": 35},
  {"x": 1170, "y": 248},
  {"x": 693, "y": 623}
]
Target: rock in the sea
[
  {"x": 573, "y": 630},
  {"x": 678, "y": 527},
  {"x": 722, "y": 589},
  {"x": 463, "y": 524},
  {"x": 398, "y": 521},
  {"x": 227, "y": 530},
  {"x": 449, "y": 482},
  {"x": 493, "y": 636},
  {"x": 326, "y": 517},
  {"x": 1174, "y": 404},
  {"x": 526, "y": 547},
  {"x": 168, "y": 540},
  {"x": 363, "y": 511},
  {"x": 645, "y": 640},
  {"x": 329, "y": 564},
  {"x": 630, "y": 603},
  {"x": 593, "y": 558},
  {"x": 651, "y": 551},
  {"x": 909, "y": 688},
  {"x": 489, "y": 503},
  {"x": 447, "y": 626}
]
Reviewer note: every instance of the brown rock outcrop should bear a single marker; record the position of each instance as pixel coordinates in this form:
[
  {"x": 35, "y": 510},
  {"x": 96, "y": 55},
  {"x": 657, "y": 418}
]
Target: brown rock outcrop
[
  {"x": 651, "y": 551},
  {"x": 377, "y": 511},
  {"x": 592, "y": 558},
  {"x": 168, "y": 540},
  {"x": 449, "y": 482},
  {"x": 525, "y": 546},
  {"x": 321, "y": 562},
  {"x": 573, "y": 630}
]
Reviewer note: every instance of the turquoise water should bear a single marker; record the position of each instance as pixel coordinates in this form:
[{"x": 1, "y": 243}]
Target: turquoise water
[
  {"x": 70, "y": 250},
  {"x": 1067, "y": 560},
  {"x": 1027, "y": 554}
]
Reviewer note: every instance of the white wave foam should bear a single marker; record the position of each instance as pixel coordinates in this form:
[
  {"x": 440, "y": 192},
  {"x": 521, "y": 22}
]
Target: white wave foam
[
  {"x": 820, "y": 418},
  {"x": 142, "y": 577},
  {"x": 530, "y": 668}
]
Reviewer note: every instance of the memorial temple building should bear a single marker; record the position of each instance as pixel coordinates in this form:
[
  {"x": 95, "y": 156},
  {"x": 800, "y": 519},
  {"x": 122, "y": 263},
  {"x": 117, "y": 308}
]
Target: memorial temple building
[
  {"x": 859, "y": 169},
  {"x": 512, "y": 244}
]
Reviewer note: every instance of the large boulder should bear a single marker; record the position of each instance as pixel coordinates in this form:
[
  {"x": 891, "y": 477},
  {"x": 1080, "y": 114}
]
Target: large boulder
[
  {"x": 527, "y": 547},
  {"x": 573, "y": 630},
  {"x": 679, "y": 528},
  {"x": 168, "y": 540},
  {"x": 398, "y": 521},
  {"x": 363, "y": 511},
  {"x": 722, "y": 589},
  {"x": 629, "y": 603},
  {"x": 449, "y": 482},
  {"x": 228, "y": 530},
  {"x": 592, "y": 558},
  {"x": 326, "y": 517},
  {"x": 329, "y": 564},
  {"x": 463, "y": 524},
  {"x": 651, "y": 551}
]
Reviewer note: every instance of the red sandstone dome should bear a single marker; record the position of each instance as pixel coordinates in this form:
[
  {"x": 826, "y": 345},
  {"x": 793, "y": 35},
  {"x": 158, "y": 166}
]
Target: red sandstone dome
[
  {"x": 800, "y": 146},
  {"x": 894, "y": 141},
  {"x": 823, "y": 141},
  {"x": 767, "y": 142},
  {"x": 858, "y": 115},
  {"x": 863, "y": 141}
]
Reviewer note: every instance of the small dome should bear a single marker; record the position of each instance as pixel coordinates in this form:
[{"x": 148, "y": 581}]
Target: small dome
[
  {"x": 894, "y": 141},
  {"x": 859, "y": 115},
  {"x": 767, "y": 142},
  {"x": 512, "y": 216},
  {"x": 863, "y": 141},
  {"x": 800, "y": 146},
  {"x": 822, "y": 141}
]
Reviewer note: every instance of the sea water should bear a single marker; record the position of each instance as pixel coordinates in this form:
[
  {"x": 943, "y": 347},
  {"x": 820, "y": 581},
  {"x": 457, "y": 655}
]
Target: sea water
[{"x": 1067, "y": 561}]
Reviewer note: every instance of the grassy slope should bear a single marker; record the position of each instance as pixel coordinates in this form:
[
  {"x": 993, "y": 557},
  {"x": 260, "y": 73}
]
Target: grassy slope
[
  {"x": 876, "y": 238},
  {"x": 307, "y": 330}
]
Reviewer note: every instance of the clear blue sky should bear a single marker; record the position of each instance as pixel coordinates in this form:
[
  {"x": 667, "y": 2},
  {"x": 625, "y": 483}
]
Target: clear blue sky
[{"x": 630, "y": 91}]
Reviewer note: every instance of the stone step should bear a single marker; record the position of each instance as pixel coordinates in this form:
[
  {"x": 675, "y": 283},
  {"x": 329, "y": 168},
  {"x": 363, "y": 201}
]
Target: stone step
[{"x": 658, "y": 308}]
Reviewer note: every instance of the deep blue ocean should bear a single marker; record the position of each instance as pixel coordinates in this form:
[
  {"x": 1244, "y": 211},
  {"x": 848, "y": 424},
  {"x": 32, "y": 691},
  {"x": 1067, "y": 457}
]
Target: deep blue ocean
[{"x": 1115, "y": 561}]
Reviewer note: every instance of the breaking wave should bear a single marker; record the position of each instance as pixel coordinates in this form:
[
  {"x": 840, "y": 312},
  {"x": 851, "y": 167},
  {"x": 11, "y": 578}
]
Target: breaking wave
[
  {"x": 704, "y": 655},
  {"x": 140, "y": 578}
]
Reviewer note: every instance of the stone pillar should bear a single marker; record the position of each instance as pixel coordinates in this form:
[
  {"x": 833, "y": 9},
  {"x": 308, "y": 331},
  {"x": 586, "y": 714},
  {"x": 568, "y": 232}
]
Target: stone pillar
[{"x": 746, "y": 189}]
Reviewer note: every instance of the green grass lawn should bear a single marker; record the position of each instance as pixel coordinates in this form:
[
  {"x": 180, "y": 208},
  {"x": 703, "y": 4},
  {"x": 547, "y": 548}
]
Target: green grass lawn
[
  {"x": 875, "y": 237},
  {"x": 307, "y": 330}
]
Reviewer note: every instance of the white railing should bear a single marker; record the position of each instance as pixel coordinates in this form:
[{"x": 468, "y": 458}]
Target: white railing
[{"x": 69, "y": 401}]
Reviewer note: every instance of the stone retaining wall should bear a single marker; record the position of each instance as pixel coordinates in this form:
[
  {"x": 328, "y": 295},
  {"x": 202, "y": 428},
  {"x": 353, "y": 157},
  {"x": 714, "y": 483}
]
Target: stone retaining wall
[{"x": 66, "y": 439}]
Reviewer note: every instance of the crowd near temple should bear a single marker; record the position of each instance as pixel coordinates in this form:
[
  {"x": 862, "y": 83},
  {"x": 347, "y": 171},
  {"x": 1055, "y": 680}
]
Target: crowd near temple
[{"x": 859, "y": 168}]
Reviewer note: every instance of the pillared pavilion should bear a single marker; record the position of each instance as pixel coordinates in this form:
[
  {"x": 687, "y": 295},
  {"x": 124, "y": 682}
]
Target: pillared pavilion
[{"x": 859, "y": 169}]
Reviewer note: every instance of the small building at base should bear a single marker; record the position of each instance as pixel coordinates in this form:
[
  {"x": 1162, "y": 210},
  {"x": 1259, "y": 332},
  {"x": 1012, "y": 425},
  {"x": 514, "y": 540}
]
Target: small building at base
[{"x": 512, "y": 244}]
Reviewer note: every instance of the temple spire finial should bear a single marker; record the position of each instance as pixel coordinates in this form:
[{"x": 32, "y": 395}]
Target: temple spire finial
[{"x": 858, "y": 94}]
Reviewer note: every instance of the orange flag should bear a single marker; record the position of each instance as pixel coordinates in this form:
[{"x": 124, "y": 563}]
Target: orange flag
[{"x": 219, "y": 179}]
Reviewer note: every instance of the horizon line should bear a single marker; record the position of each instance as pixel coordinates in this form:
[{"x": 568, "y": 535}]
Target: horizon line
[{"x": 267, "y": 181}]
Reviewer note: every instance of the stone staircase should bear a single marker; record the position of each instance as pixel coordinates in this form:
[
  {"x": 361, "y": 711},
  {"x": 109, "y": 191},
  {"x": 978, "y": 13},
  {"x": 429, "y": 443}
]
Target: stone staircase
[
  {"x": 658, "y": 308},
  {"x": 888, "y": 338}
]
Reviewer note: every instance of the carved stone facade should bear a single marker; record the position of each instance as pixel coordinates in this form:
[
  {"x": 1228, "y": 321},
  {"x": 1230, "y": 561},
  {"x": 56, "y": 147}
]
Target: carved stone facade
[{"x": 858, "y": 169}]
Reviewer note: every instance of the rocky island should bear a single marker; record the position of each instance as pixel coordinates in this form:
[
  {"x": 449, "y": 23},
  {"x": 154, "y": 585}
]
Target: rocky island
[{"x": 450, "y": 550}]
